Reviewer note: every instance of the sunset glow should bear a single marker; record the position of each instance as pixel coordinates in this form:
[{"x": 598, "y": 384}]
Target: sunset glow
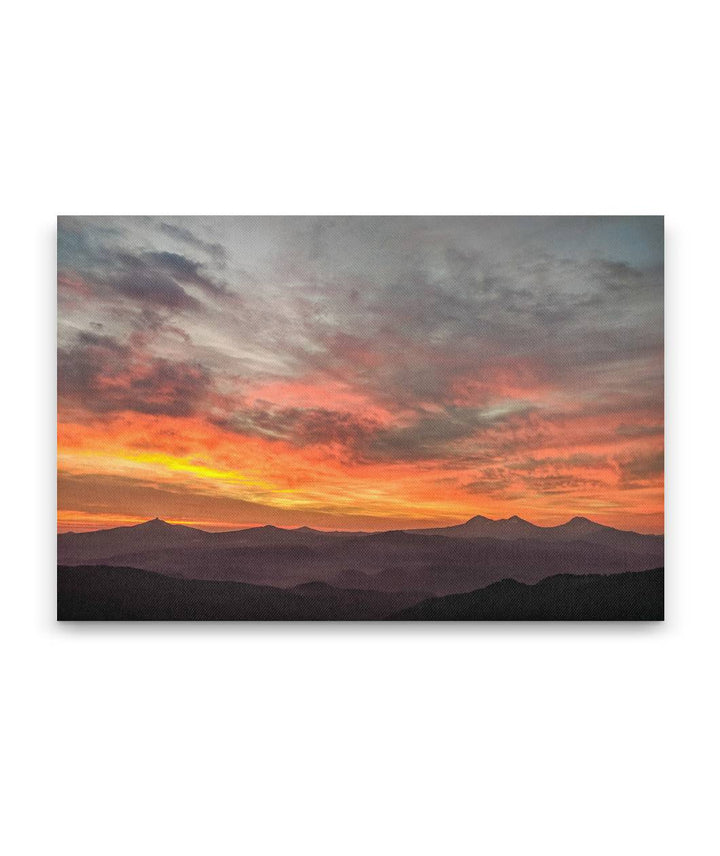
[{"x": 359, "y": 373}]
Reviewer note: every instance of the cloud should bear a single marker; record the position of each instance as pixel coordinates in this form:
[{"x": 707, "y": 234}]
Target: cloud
[
  {"x": 625, "y": 430},
  {"x": 215, "y": 250},
  {"x": 183, "y": 270},
  {"x": 93, "y": 257},
  {"x": 106, "y": 376},
  {"x": 504, "y": 484},
  {"x": 413, "y": 338},
  {"x": 103, "y": 343},
  {"x": 583, "y": 460},
  {"x": 301, "y": 426},
  {"x": 642, "y": 468},
  {"x": 153, "y": 287},
  {"x": 425, "y": 437},
  {"x": 162, "y": 278},
  {"x": 433, "y": 436}
]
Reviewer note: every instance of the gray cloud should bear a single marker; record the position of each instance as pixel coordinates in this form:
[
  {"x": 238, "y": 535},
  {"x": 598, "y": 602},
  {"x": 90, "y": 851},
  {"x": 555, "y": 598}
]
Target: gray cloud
[
  {"x": 641, "y": 468},
  {"x": 215, "y": 250},
  {"x": 106, "y": 376},
  {"x": 97, "y": 253},
  {"x": 155, "y": 288},
  {"x": 183, "y": 270},
  {"x": 639, "y": 430},
  {"x": 426, "y": 437}
]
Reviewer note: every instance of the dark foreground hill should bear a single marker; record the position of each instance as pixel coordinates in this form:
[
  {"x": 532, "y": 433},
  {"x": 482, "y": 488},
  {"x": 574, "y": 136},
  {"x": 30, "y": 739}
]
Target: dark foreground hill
[
  {"x": 101, "y": 593},
  {"x": 617, "y": 597}
]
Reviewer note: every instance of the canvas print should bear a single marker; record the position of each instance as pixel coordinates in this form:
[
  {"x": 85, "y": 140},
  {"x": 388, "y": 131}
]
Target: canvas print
[{"x": 360, "y": 418}]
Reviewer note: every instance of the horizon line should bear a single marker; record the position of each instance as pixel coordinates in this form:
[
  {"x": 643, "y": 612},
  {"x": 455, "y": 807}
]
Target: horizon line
[{"x": 251, "y": 526}]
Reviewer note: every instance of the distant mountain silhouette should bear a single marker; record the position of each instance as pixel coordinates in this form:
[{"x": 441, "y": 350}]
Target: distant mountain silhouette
[
  {"x": 103, "y": 543},
  {"x": 616, "y": 597},
  {"x": 485, "y": 527},
  {"x": 438, "y": 561},
  {"x": 576, "y": 529}
]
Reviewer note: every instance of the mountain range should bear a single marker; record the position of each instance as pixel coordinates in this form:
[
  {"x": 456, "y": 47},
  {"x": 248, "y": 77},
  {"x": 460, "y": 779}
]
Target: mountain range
[{"x": 437, "y": 561}]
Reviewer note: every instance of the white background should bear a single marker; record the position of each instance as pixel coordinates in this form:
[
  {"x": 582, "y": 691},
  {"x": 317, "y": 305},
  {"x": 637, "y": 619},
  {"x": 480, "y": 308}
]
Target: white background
[{"x": 359, "y": 739}]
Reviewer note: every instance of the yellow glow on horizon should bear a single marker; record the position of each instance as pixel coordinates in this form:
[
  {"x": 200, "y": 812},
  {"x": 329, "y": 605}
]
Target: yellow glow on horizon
[
  {"x": 214, "y": 472},
  {"x": 182, "y": 465},
  {"x": 325, "y": 492}
]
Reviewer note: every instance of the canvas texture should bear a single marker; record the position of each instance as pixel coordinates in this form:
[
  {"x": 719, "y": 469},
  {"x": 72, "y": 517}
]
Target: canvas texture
[{"x": 360, "y": 418}]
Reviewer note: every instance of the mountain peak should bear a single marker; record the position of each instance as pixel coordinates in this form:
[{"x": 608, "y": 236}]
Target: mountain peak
[
  {"x": 478, "y": 518},
  {"x": 155, "y": 523}
]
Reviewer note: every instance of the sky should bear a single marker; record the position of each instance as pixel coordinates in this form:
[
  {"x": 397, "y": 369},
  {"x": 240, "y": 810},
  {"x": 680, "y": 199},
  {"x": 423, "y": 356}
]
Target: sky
[{"x": 359, "y": 373}]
